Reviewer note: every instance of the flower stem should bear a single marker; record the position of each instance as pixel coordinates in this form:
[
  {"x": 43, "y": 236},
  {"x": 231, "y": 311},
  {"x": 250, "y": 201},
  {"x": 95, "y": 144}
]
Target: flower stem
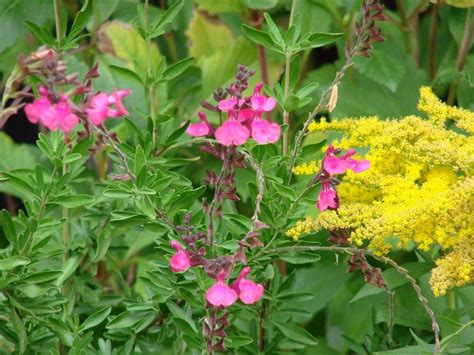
[
  {"x": 59, "y": 31},
  {"x": 432, "y": 40},
  {"x": 286, "y": 115}
]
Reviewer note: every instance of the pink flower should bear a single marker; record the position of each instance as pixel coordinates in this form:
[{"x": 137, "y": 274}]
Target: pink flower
[
  {"x": 232, "y": 133},
  {"x": 66, "y": 119},
  {"x": 221, "y": 295},
  {"x": 52, "y": 116},
  {"x": 200, "y": 129},
  {"x": 261, "y": 103},
  {"x": 179, "y": 262},
  {"x": 335, "y": 165},
  {"x": 249, "y": 292},
  {"x": 101, "y": 106},
  {"x": 227, "y": 105},
  {"x": 264, "y": 132},
  {"x": 327, "y": 198}
]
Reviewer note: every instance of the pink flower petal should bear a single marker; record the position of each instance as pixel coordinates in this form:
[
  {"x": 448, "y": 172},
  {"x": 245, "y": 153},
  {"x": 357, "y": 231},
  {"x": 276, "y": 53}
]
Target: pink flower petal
[
  {"x": 250, "y": 292},
  {"x": 227, "y": 105},
  {"x": 327, "y": 199},
  {"x": 200, "y": 129},
  {"x": 264, "y": 132},
  {"x": 221, "y": 295},
  {"x": 180, "y": 261},
  {"x": 232, "y": 133},
  {"x": 243, "y": 274},
  {"x": 66, "y": 119},
  {"x": 335, "y": 165},
  {"x": 359, "y": 166},
  {"x": 35, "y": 110}
]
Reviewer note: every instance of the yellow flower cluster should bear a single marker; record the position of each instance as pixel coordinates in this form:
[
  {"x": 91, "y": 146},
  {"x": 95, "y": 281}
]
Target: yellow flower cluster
[
  {"x": 418, "y": 192},
  {"x": 440, "y": 112}
]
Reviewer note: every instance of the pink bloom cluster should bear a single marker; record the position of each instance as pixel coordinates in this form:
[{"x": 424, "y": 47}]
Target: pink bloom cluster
[
  {"x": 244, "y": 121},
  {"x": 220, "y": 294},
  {"x": 52, "y": 116},
  {"x": 334, "y": 165},
  {"x": 60, "y": 115}
]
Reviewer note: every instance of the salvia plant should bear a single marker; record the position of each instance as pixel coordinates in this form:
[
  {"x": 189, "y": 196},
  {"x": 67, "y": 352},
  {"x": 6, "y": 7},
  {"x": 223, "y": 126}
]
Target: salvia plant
[{"x": 197, "y": 186}]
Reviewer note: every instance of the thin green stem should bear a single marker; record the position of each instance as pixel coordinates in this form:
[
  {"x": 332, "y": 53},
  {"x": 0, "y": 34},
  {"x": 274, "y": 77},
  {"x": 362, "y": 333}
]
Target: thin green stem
[
  {"x": 432, "y": 40},
  {"x": 286, "y": 115},
  {"x": 59, "y": 32},
  {"x": 151, "y": 85}
]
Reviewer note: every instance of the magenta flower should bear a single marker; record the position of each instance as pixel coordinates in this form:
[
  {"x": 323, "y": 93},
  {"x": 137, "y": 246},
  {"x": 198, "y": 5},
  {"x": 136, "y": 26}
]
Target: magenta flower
[
  {"x": 227, "y": 105},
  {"x": 232, "y": 133},
  {"x": 249, "y": 292},
  {"x": 200, "y": 129},
  {"x": 52, "y": 116},
  {"x": 335, "y": 165},
  {"x": 327, "y": 199},
  {"x": 65, "y": 118},
  {"x": 180, "y": 261},
  {"x": 102, "y": 106},
  {"x": 261, "y": 103},
  {"x": 264, "y": 132},
  {"x": 221, "y": 295}
]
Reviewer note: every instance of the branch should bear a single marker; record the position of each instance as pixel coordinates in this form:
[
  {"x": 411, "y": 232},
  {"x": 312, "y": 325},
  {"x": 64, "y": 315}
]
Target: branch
[
  {"x": 324, "y": 100},
  {"x": 260, "y": 186}
]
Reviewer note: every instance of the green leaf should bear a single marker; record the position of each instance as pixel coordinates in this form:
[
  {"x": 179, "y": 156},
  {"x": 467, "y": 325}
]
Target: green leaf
[
  {"x": 20, "y": 331},
  {"x": 416, "y": 349},
  {"x": 125, "y": 320},
  {"x": 301, "y": 258},
  {"x": 9, "y": 228},
  {"x": 12, "y": 17},
  {"x": 177, "y": 68},
  {"x": 12, "y": 262},
  {"x": 273, "y": 31},
  {"x": 296, "y": 333},
  {"x": 316, "y": 40},
  {"x": 236, "y": 341},
  {"x": 69, "y": 268},
  {"x": 383, "y": 66},
  {"x": 221, "y": 6},
  {"x": 127, "y": 74},
  {"x": 179, "y": 313},
  {"x": 41, "y": 33},
  {"x": 74, "y": 201},
  {"x": 460, "y": 3},
  {"x": 167, "y": 18},
  {"x": 95, "y": 319},
  {"x": 207, "y": 36},
  {"x": 260, "y": 37},
  {"x": 80, "y": 21},
  {"x": 260, "y": 4}
]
